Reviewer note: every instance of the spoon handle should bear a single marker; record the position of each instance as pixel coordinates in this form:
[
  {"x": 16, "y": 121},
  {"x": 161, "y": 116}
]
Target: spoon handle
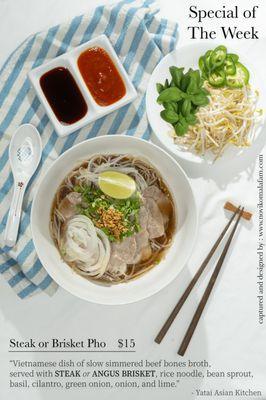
[{"x": 12, "y": 225}]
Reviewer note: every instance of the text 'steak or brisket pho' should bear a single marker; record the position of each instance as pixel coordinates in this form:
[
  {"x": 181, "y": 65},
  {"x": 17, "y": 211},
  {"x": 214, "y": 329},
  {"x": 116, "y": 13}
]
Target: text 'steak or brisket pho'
[{"x": 112, "y": 218}]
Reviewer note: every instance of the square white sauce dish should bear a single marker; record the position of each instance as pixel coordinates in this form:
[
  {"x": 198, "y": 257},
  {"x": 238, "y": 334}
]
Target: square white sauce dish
[{"x": 82, "y": 85}]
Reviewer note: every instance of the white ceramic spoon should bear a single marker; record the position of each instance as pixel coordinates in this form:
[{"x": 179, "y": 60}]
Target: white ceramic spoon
[{"x": 25, "y": 152}]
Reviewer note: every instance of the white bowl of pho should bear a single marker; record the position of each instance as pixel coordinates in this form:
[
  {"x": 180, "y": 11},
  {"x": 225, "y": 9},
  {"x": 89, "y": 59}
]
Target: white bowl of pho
[{"x": 114, "y": 220}]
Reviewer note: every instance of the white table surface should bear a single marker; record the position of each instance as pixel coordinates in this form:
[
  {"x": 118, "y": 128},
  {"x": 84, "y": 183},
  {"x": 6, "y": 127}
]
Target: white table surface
[{"x": 228, "y": 335}]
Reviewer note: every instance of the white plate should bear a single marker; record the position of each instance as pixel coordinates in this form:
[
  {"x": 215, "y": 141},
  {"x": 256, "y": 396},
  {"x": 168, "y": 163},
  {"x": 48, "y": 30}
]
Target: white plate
[
  {"x": 188, "y": 57},
  {"x": 69, "y": 61},
  {"x": 176, "y": 256}
]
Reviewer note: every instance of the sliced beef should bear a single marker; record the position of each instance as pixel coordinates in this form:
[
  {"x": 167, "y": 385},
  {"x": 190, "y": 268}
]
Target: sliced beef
[
  {"x": 144, "y": 250},
  {"x": 116, "y": 265},
  {"x": 67, "y": 206},
  {"x": 125, "y": 250},
  {"x": 162, "y": 200},
  {"x": 153, "y": 191},
  {"x": 155, "y": 226},
  {"x": 143, "y": 217}
]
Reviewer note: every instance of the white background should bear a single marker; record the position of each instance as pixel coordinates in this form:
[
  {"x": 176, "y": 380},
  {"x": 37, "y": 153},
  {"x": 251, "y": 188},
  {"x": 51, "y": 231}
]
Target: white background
[{"x": 228, "y": 335}]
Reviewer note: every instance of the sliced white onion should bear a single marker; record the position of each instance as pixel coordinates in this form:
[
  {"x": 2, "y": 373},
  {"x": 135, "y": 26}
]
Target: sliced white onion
[{"x": 86, "y": 246}]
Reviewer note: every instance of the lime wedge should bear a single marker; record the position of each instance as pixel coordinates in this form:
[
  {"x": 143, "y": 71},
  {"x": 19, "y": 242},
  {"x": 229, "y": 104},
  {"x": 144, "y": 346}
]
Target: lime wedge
[{"x": 116, "y": 184}]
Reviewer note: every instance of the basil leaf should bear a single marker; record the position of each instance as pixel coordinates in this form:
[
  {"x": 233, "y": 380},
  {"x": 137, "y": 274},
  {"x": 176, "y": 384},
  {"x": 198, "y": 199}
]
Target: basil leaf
[
  {"x": 195, "y": 82},
  {"x": 191, "y": 119},
  {"x": 171, "y": 106},
  {"x": 200, "y": 100},
  {"x": 185, "y": 82},
  {"x": 166, "y": 84},
  {"x": 196, "y": 73},
  {"x": 193, "y": 108},
  {"x": 182, "y": 97},
  {"x": 170, "y": 94},
  {"x": 179, "y": 107},
  {"x": 169, "y": 116},
  {"x": 203, "y": 91},
  {"x": 177, "y": 74},
  {"x": 186, "y": 107},
  {"x": 192, "y": 87},
  {"x": 159, "y": 87},
  {"x": 181, "y": 127}
]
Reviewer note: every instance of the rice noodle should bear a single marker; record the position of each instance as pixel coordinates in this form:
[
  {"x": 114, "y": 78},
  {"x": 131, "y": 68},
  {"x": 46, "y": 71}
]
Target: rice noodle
[
  {"x": 230, "y": 118},
  {"x": 85, "y": 245}
]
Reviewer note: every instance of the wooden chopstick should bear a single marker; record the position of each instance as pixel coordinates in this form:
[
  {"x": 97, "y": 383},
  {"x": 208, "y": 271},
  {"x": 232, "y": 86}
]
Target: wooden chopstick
[
  {"x": 204, "y": 299},
  {"x": 193, "y": 282}
]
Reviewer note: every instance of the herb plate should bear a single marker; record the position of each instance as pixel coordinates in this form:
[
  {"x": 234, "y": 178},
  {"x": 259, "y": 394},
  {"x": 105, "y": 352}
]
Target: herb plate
[{"x": 187, "y": 57}]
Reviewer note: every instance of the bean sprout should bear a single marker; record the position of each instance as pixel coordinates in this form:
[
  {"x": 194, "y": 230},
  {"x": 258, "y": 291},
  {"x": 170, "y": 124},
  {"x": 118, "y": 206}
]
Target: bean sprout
[{"x": 230, "y": 118}]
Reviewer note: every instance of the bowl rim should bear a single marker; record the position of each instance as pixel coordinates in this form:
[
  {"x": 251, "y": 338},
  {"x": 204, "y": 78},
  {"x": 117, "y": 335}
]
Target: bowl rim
[{"x": 173, "y": 276}]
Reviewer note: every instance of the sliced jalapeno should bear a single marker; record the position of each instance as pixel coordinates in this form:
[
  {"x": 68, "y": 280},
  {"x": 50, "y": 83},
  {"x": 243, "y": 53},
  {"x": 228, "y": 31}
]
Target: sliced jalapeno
[
  {"x": 201, "y": 63},
  {"x": 234, "y": 57},
  {"x": 218, "y": 57},
  {"x": 217, "y": 78},
  {"x": 202, "y": 68},
  {"x": 229, "y": 66},
  {"x": 207, "y": 60},
  {"x": 240, "y": 78}
]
